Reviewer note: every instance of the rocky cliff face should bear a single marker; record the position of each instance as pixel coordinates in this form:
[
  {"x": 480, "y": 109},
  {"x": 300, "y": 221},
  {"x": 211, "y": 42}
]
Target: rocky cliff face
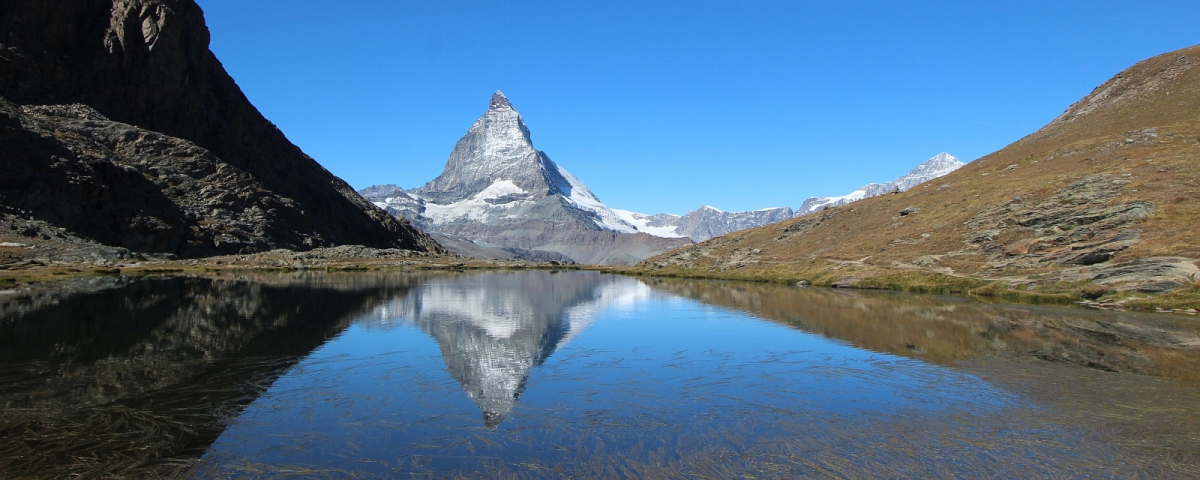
[
  {"x": 939, "y": 165},
  {"x": 158, "y": 107},
  {"x": 498, "y": 191}
]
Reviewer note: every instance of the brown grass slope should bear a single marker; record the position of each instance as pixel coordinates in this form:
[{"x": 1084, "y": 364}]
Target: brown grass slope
[{"x": 1101, "y": 201}]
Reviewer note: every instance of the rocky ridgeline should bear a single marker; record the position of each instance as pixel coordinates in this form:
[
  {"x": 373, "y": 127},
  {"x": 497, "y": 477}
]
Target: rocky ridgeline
[
  {"x": 707, "y": 222},
  {"x": 938, "y": 166},
  {"x": 119, "y": 125}
]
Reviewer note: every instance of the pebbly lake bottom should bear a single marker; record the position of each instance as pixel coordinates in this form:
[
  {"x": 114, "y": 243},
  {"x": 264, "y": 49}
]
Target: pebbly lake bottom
[{"x": 555, "y": 374}]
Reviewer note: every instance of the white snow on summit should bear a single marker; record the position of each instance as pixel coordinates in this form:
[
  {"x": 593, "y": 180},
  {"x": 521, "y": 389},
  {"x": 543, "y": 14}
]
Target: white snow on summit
[{"x": 939, "y": 165}]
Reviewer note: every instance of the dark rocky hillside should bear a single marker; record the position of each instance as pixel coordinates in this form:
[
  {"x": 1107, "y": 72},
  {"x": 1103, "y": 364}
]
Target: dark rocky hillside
[{"x": 118, "y": 123}]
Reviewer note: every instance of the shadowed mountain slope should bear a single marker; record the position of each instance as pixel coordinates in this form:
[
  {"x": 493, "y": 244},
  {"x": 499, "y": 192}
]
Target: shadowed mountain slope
[
  {"x": 144, "y": 69},
  {"x": 1107, "y": 192}
]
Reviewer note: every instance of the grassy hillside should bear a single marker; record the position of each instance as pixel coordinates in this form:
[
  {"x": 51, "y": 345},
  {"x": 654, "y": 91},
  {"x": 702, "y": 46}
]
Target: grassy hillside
[{"x": 1100, "y": 203}]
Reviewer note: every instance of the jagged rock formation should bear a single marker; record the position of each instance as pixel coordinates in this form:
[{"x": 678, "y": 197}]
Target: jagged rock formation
[
  {"x": 497, "y": 191},
  {"x": 119, "y": 124},
  {"x": 1106, "y": 192},
  {"x": 938, "y": 166}
]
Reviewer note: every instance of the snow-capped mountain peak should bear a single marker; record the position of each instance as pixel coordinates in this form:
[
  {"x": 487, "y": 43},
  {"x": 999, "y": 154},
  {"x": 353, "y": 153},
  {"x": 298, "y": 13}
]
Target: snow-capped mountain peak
[
  {"x": 941, "y": 164},
  {"x": 499, "y": 148}
]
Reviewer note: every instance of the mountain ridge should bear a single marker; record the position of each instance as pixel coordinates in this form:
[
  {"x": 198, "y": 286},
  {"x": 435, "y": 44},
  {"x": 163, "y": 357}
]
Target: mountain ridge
[
  {"x": 938, "y": 166},
  {"x": 1105, "y": 194},
  {"x": 500, "y": 193},
  {"x": 144, "y": 67},
  {"x": 707, "y": 221}
]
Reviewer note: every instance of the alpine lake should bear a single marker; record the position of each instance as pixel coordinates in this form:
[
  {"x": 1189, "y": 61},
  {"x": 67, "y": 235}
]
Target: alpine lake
[{"x": 553, "y": 374}]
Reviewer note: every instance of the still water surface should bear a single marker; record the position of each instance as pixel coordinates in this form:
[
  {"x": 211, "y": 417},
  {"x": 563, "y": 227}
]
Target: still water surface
[{"x": 540, "y": 374}]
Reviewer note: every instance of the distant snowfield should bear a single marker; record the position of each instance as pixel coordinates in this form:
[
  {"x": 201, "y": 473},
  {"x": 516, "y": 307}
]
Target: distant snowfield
[
  {"x": 938, "y": 166},
  {"x": 642, "y": 222},
  {"x": 835, "y": 201}
]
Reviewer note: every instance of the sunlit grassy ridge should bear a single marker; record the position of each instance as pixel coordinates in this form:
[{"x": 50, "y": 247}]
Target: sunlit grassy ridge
[{"x": 1115, "y": 177}]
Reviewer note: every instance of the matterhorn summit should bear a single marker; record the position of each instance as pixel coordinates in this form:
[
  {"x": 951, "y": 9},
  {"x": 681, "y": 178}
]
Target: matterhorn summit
[{"x": 499, "y": 192}]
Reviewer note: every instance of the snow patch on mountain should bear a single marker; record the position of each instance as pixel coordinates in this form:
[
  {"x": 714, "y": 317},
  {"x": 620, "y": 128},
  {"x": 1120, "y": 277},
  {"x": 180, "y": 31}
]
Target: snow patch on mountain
[
  {"x": 705, "y": 222},
  {"x": 582, "y": 198},
  {"x": 939, "y": 165},
  {"x": 661, "y": 225},
  {"x": 477, "y": 206}
]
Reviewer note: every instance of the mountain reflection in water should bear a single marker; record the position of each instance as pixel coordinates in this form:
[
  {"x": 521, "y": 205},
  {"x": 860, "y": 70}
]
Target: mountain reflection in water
[
  {"x": 494, "y": 328},
  {"x": 365, "y": 373}
]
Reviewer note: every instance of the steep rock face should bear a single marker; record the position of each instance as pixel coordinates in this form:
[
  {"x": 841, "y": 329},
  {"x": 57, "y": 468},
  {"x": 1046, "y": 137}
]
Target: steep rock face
[
  {"x": 939, "y": 165},
  {"x": 146, "y": 63},
  {"x": 140, "y": 190},
  {"x": 498, "y": 191},
  {"x": 495, "y": 172}
]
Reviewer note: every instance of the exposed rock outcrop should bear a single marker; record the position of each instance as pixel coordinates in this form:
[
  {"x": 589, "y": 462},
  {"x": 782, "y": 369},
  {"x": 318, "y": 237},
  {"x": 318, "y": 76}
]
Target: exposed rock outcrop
[
  {"x": 119, "y": 109},
  {"x": 1081, "y": 225}
]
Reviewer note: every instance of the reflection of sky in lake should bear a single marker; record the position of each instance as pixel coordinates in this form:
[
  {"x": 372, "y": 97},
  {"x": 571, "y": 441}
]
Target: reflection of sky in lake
[{"x": 573, "y": 364}]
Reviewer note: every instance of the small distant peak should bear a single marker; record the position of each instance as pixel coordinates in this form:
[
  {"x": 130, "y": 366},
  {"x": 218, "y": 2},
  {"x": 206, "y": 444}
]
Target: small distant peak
[
  {"x": 944, "y": 158},
  {"x": 710, "y": 207},
  {"x": 499, "y": 101}
]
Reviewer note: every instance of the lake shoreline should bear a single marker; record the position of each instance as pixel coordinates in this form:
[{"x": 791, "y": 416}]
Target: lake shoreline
[{"x": 35, "y": 267}]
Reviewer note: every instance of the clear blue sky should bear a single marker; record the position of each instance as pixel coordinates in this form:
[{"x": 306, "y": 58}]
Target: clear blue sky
[{"x": 666, "y": 106}]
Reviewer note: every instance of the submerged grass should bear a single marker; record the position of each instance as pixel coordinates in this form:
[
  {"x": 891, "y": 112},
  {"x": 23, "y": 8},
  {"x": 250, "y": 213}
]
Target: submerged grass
[
  {"x": 923, "y": 282},
  {"x": 1186, "y": 297}
]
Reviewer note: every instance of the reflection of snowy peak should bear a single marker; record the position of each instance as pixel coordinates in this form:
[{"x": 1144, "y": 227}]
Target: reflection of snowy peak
[
  {"x": 935, "y": 167},
  {"x": 494, "y": 328},
  {"x": 498, "y": 191}
]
